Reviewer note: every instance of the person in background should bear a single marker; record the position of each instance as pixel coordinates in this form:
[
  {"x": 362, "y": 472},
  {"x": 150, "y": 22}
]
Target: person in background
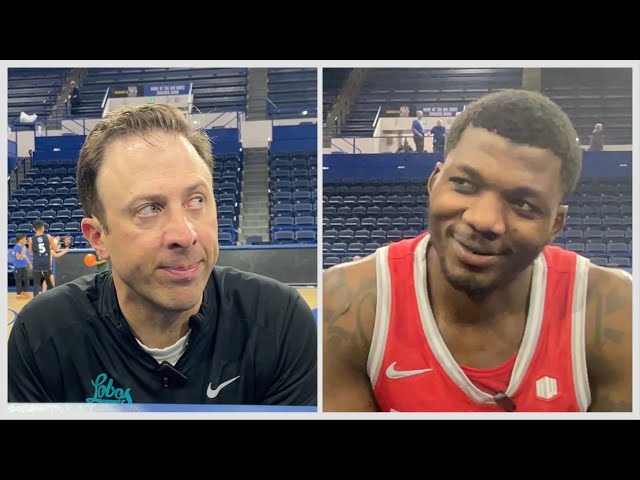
[
  {"x": 438, "y": 132},
  {"x": 57, "y": 254},
  {"x": 22, "y": 265},
  {"x": 74, "y": 97},
  {"x": 418, "y": 131},
  {"x": 597, "y": 139},
  {"x": 40, "y": 247}
]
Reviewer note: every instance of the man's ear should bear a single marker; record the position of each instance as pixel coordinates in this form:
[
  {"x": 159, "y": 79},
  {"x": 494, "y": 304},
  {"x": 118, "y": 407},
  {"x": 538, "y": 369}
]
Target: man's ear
[
  {"x": 94, "y": 232},
  {"x": 433, "y": 178},
  {"x": 559, "y": 222}
]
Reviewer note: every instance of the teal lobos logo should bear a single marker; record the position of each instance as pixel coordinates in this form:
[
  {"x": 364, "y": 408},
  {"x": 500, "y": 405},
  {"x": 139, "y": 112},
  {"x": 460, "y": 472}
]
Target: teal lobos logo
[{"x": 103, "y": 391}]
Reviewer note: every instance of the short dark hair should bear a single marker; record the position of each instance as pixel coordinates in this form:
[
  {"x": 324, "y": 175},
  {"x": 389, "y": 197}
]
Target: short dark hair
[
  {"x": 38, "y": 224},
  {"x": 526, "y": 118},
  {"x": 140, "y": 120},
  {"x": 19, "y": 237}
]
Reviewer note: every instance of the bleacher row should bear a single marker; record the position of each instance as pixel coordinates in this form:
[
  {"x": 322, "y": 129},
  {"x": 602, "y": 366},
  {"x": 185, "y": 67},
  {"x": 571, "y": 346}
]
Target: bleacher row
[
  {"x": 34, "y": 90},
  {"x": 214, "y": 89},
  {"x": 587, "y": 95},
  {"x": 359, "y": 218},
  {"x": 593, "y": 95},
  {"x": 227, "y": 187},
  {"x": 391, "y": 88},
  {"x": 293, "y": 183},
  {"x": 50, "y": 193},
  {"x": 291, "y": 90},
  {"x": 332, "y": 82},
  {"x": 292, "y": 197}
]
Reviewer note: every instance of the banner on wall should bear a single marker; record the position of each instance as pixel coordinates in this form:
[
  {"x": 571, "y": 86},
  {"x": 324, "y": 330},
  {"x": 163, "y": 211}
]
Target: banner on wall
[
  {"x": 429, "y": 110},
  {"x": 150, "y": 90},
  {"x": 179, "y": 94},
  {"x": 441, "y": 110}
]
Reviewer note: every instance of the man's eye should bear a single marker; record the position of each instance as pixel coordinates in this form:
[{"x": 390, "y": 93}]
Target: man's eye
[
  {"x": 149, "y": 210},
  {"x": 462, "y": 184}
]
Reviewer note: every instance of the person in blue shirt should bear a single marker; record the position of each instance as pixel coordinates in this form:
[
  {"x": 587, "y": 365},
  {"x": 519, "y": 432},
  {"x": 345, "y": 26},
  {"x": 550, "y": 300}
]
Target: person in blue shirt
[
  {"x": 418, "y": 131},
  {"x": 22, "y": 265}
]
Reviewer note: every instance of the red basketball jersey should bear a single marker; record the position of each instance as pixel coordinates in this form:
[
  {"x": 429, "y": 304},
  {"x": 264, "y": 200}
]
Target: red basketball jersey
[{"x": 412, "y": 370}]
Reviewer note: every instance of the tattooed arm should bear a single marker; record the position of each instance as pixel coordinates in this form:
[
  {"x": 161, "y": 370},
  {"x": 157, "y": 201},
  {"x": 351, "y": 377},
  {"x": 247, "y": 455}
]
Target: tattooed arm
[
  {"x": 349, "y": 306},
  {"x": 608, "y": 339}
]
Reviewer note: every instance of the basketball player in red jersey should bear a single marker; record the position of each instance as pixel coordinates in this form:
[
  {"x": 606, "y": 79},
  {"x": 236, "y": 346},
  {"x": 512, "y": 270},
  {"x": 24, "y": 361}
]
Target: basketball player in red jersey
[{"x": 479, "y": 313}]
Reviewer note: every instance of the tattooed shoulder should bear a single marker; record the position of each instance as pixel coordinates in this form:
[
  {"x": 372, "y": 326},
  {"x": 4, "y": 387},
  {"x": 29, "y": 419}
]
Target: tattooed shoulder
[
  {"x": 349, "y": 305},
  {"x": 608, "y": 338},
  {"x": 609, "y": 298}
]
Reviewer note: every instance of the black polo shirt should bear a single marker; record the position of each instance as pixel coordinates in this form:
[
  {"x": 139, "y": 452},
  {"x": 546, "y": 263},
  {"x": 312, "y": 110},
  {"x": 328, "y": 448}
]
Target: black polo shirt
[{"x": 253, "y": 341}]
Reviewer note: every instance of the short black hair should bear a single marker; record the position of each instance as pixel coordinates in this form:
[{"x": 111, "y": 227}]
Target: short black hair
[
  {"x": 526, "y": 118},
  {"x": 38, "y": 224},
  {"x": 19, "y": 237}
]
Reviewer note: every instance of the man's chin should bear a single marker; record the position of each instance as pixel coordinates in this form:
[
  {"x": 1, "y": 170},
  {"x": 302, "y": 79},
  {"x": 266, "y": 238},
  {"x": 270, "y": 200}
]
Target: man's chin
[
  {"x": 178, "y": 303},
  {"x": 472, "y": 288},
  {"x": 179, "y": 297},
  {"x": 476, "y": 285}
]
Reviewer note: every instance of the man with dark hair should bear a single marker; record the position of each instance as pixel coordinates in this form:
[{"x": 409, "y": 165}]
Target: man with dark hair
[
  {"x": 165, "y": 324},
  {"x": 40, "y": 247},
  {"x": 57, "y": 253},
  {"x": 480, "y": 313},
  {"x": 438, "y": 132}
]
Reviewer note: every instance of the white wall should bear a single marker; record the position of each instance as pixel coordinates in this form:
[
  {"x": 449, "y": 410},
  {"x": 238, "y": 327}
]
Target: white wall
[
  {"x": 362, "y": 145},
  {"x": 205, "y": 120},
  {"x": 254, "y": 134},
  {"x": 388, "y": 144},
  {"x": 24, "y": 141},
  {"x": 612, "y": 148},
  {"x": 258, "y": 133},
  {"x": 79, "y": 127},
  {"x": 222, "y": 119},
  {"x": 294, "y": 121}
]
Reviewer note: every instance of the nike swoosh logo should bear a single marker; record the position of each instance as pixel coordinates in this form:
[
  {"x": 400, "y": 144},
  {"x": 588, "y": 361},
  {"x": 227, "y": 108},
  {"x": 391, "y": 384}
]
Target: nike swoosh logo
[
  {"x": 396, "y": 374},
  {"x": 214, "y": 393}
]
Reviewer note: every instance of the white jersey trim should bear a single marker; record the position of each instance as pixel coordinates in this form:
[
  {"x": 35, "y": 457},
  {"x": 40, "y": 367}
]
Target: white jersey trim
[
  {"x": 383, "y": 313},
  {"x": 578, "y": 342},
  {"x": 442, "y": 353}
]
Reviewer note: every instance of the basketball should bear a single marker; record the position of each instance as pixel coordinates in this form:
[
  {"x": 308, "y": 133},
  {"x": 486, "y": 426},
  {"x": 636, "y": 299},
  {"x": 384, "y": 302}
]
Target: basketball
[{"x": 90, "y": 260}]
